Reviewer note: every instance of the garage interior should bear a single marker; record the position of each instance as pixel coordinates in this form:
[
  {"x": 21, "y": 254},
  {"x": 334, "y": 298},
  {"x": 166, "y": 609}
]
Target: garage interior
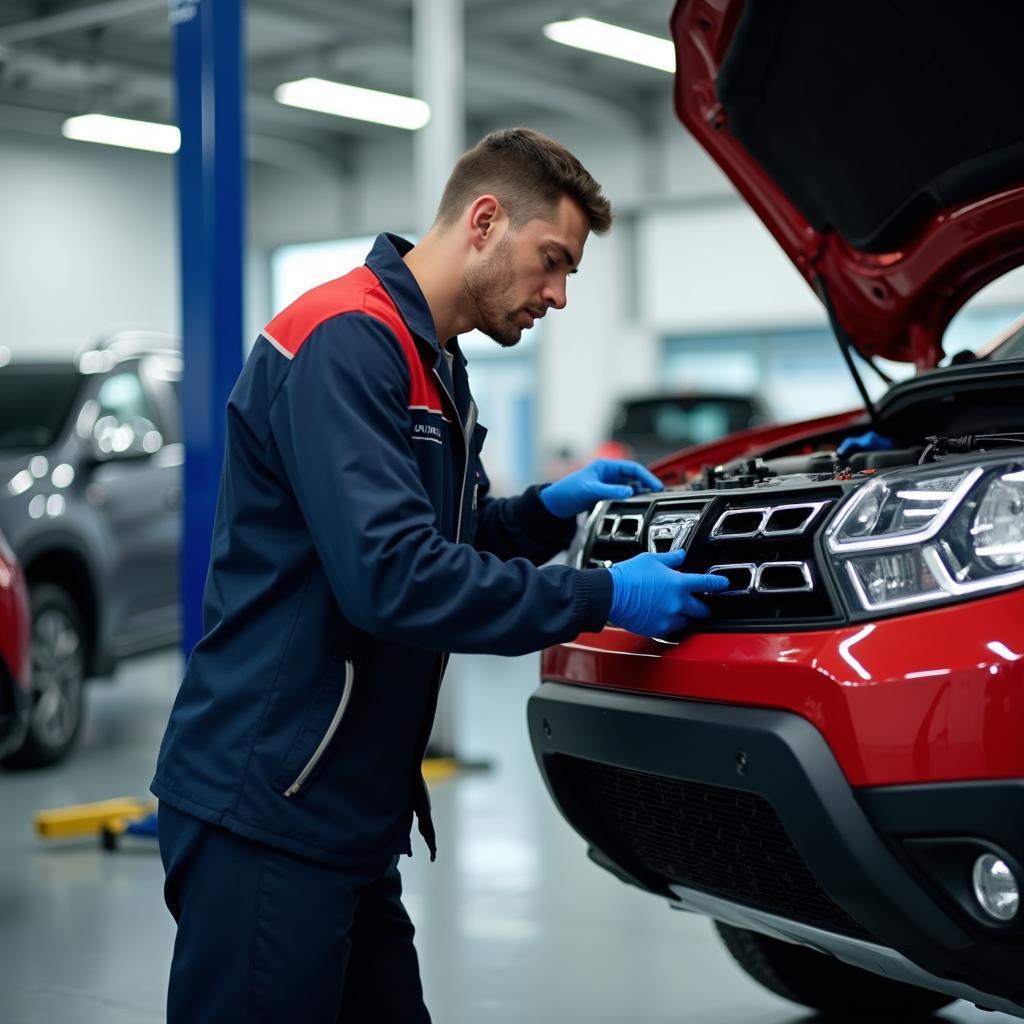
[{"x": 689, "y": 293}]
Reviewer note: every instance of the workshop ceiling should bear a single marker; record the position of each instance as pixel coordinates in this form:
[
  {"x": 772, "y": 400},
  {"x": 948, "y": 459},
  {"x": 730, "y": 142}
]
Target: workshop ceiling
[{"x": 115, "y": 57}]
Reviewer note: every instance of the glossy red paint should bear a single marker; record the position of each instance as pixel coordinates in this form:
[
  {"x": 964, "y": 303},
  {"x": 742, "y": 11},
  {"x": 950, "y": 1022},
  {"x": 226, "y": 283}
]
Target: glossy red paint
[
  {"x": 14, "y": 617},
  {"x": 895, "y": 304},
  {"x": 933, "y": 697},
  {"x": 679, "y": 466}
]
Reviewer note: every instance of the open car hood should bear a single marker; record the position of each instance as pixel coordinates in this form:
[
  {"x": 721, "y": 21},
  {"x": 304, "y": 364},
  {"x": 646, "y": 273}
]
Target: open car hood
[{"x": 880, "y": 141}]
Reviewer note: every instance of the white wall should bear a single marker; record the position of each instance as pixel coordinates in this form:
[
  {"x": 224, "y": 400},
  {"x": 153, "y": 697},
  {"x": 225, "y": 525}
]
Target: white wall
[
  {"x": 91, "y": 238},
  {"x": 89, "y": 242}
]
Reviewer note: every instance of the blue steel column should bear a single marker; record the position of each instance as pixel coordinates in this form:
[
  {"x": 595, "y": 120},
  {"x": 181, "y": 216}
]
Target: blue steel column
[{"x": 211, "y": 177}]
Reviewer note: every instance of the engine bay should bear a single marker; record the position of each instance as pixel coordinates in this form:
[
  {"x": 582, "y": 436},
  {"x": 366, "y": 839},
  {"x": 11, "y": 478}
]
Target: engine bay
[{"x": 829, "y": 464}]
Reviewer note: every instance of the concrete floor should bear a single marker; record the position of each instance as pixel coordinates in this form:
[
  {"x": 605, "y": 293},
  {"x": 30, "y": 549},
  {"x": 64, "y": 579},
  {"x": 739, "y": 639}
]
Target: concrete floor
[{"x": 514, "y": 923}]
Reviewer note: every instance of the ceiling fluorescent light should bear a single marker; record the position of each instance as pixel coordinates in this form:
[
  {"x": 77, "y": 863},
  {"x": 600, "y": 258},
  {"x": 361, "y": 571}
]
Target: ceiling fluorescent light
[
  {"x": 351, "y": 101},
  {"x": 614, "y": 41},
  {"x": 122, "y": 131}
]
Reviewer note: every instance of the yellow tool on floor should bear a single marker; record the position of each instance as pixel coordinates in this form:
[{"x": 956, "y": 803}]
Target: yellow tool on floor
[{"x": 91, "y": 819}]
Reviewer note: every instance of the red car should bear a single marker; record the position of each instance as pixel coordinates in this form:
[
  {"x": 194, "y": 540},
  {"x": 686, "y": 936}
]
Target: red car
[
  {"x": 832, "y": 768},
  {"x": 15, "y": 693}
]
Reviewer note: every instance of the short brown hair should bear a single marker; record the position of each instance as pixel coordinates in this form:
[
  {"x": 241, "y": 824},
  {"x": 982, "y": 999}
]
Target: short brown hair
[{"x": 529, "y": 173}]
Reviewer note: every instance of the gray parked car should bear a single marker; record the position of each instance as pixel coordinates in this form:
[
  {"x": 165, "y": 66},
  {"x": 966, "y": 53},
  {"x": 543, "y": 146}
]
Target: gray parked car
[{"x": 90, "y": 495}]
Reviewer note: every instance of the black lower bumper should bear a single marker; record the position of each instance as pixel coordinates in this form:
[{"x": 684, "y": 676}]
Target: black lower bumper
[{"x": 750, "y": 805}]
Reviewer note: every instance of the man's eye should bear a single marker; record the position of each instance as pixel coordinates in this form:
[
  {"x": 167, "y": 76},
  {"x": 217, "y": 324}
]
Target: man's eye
[{"x": 550, "y": 262}]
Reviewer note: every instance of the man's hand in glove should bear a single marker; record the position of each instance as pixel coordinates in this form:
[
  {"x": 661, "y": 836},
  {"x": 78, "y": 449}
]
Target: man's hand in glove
[
  {"x": 602, "y": 480},
  {"x": 869, "y": 442},
  {"x": 651, "y": 598}
]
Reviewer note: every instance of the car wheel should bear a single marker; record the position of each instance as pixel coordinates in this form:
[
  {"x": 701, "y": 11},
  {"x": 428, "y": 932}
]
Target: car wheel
[
  {"x": 58, "y": 678},
  {"x": 839, "y": 991}
]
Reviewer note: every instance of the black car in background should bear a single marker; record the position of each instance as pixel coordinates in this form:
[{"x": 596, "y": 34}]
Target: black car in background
[
  {"x": 90, "y": 495},
  {"x": 650, "y": 427}
]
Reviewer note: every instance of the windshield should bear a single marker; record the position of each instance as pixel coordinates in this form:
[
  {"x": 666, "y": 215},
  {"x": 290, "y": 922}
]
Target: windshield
[{"x": 34, "y": 405}]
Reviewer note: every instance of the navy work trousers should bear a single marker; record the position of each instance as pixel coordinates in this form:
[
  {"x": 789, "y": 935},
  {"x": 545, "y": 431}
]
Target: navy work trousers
[{"x": 265, "y": 936}]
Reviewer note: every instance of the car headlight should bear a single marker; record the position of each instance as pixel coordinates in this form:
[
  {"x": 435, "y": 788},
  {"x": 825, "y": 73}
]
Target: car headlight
[{"x": 931, "y": 535}]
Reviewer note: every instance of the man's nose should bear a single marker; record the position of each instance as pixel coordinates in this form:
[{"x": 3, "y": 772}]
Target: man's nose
[{"x": 554, "y": 295}]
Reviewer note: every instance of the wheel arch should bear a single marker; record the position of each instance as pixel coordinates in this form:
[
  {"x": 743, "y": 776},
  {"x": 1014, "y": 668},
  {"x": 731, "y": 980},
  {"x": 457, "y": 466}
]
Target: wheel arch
[{"x": 68, "y": 569}]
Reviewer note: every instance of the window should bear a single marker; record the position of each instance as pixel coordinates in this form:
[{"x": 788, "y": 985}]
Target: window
[
  {"x": 121, "y": 395},
  {"x": 34, "y": 405}
]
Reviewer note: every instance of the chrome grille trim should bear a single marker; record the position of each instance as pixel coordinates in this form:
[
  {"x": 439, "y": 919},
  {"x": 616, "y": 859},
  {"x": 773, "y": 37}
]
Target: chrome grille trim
[
  {"x": 756, "y": 574},
  {"x": 812, "y": 508},
  {"x": 617, "y": 533},
  {"x": 733, "y": 513},
  {"x": 610, "y": 528},
  {"x": 606, "y": 527},
  {"x": 803, "y": 568},
  {"x": 748, "y": 567},
  {"x": 767, "y": 514}
]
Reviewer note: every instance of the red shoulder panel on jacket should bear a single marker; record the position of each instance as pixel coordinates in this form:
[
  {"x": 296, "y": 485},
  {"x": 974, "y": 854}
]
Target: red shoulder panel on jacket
[{"x": 359, "y": 291}]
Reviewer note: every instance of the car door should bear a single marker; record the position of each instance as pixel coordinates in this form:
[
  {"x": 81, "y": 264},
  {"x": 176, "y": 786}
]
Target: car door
[
  {"x": 161, "y": 378},
  {"x": 135, "y": 483}
]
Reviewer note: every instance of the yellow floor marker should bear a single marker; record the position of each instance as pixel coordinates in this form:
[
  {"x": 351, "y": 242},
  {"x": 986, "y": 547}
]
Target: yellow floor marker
[
  {"x": 88, "y": 819},
  {"x": 436, "y": 769}
]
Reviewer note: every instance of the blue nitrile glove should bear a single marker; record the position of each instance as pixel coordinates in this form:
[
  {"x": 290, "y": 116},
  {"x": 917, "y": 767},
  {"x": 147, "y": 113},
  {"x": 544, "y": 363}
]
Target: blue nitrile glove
[
  {"x": 602, "y": 480},
  {"x": 869, "y": 442},
  {"x": 651, "y": 598}
]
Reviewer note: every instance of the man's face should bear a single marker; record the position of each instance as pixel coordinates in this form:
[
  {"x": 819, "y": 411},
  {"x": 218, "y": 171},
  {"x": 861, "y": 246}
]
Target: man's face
[{"x": 523, "y": 274}]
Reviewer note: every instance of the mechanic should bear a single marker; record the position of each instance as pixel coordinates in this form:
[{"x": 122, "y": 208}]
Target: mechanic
[{"x": 355, "y": 546}]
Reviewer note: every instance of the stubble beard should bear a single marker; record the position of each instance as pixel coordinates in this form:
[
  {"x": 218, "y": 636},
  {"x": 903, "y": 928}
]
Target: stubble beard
[{"x": 488, "y": 288}]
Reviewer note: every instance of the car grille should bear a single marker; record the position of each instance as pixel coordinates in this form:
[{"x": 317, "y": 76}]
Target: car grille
[
  {"x": 725, "y": 842},
  {"x": 764, "y": 544}
]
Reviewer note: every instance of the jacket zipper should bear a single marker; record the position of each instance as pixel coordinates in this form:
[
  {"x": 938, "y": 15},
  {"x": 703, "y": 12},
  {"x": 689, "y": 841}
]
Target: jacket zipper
[
  {"x": 465, "y": 442},
  {"x": 467, "y": 429},
  {"x": 339, "y": 714}
]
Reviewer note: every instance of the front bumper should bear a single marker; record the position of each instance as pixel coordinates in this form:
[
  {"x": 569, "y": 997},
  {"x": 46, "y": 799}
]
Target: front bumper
[
  {"x": 930, "y": 697},
  {"x": 750, "y": 808}
]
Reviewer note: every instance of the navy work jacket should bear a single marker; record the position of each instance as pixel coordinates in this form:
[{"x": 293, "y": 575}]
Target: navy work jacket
[{"x": 355, "y": 546}]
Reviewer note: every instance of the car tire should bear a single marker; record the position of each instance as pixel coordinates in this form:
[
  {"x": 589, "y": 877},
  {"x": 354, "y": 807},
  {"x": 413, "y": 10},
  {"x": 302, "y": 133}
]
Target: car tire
[
  {"x": 838, "y": 991},
  {"x": 58, "y": 678}
]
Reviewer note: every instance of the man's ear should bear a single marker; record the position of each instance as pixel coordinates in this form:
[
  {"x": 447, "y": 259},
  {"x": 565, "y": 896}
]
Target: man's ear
[{"x": 485, "y": 220}]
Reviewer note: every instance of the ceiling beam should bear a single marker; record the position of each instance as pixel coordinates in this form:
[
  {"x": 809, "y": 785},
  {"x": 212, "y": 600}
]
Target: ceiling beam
[
  {"x": 531, "y": 70},
  {"x": 118, "y": 79},
  {"x": 81, "y": 17},
  {"x": 298, "y": 157},
  {"x": 341, "y": 16}
]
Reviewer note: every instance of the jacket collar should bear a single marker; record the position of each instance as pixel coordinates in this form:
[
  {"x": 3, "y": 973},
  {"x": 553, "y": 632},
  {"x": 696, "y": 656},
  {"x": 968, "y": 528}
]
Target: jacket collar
[{"x": 385, "y": 260}]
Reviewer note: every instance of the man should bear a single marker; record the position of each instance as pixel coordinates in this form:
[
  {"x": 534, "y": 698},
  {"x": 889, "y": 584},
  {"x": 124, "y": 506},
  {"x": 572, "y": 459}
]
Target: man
[{"x": 355, "y": 546}]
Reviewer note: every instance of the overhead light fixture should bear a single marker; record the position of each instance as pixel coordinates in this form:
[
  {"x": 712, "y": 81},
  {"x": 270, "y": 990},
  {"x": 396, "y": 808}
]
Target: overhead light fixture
[
  {"x": 614, "y": 41},
  {"x": 122, "y": 131},
  {"x": 352, "y": 101}
]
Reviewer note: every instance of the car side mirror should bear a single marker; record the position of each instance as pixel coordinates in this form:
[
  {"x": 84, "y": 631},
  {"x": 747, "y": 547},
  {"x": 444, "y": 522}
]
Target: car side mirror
[{"x": 114, "y": 440}]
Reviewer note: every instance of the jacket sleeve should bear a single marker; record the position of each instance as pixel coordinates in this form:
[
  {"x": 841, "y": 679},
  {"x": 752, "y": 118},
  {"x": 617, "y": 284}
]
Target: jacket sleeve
[
  {"x": 341, "y": 424},
  {"x": 520, "y": 526}
]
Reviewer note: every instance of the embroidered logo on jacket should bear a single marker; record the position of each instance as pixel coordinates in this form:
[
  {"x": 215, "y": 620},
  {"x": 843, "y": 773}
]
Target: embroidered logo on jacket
[{"x": 426, "y": 432}]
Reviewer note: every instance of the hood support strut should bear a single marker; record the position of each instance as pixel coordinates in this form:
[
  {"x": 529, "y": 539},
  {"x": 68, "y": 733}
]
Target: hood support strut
[{"x": 847, "y": 349}]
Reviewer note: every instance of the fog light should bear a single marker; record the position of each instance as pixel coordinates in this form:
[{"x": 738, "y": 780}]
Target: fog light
[{"x": 995, "y": 888}]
